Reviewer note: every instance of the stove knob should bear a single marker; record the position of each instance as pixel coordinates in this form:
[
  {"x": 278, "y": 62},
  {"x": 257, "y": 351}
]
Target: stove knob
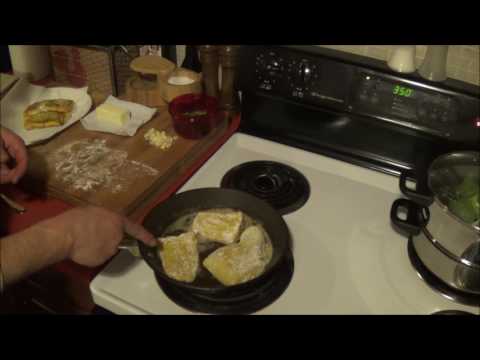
[
  {"x": 306, "y": 72},
  {"x": 303, "y": 74},
  {"x": 261, "y": 63}
]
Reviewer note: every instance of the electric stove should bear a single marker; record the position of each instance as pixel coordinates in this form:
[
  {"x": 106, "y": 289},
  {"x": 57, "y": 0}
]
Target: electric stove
[{"x": 328, "y": 160}]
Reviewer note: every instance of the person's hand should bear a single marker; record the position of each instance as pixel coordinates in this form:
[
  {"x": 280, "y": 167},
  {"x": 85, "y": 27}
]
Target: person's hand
[
  {"x": 13, "y": 148},
  {"x": 92, "y": 234}
]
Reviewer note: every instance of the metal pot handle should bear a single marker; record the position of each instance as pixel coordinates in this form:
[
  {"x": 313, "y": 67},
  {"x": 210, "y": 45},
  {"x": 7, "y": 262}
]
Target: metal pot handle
[
  {"x": 414, "y": 222},
  {"x": 421, "y": 194}
]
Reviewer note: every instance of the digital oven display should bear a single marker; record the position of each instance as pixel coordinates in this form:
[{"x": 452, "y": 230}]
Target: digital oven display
[{"x": 402, "y": 91}]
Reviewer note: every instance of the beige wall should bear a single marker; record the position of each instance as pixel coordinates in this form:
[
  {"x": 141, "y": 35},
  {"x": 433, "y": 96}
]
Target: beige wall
[{"x": 462, "y": 63}]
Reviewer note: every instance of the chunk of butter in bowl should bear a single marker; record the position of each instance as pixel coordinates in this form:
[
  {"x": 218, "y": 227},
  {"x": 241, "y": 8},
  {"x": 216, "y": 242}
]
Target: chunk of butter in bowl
[{"x": 180, "y": 80}]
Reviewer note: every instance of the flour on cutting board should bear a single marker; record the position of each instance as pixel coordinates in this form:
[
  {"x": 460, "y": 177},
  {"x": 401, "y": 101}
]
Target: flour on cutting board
[{"x": 91, "y": 165}]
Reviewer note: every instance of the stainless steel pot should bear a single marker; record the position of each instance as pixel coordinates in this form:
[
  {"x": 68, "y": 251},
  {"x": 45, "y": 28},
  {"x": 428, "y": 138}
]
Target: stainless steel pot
[{"x": 446, "y": 233}]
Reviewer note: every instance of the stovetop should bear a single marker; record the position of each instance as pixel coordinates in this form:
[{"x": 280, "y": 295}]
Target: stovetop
[
  {"x": 348, "y": 259},
  {"x": 342, "y": 134}
]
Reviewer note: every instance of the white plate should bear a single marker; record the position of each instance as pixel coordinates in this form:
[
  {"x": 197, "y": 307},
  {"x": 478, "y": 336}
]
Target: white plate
[{"x": 23, "y": 94}]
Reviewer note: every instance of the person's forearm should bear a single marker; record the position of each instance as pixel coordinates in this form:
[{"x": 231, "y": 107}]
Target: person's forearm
[{"x": 31, "y": 250}]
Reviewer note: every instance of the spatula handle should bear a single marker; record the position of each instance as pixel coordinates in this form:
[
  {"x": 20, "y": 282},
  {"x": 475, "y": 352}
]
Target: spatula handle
[{"x": 129, "y": 243}]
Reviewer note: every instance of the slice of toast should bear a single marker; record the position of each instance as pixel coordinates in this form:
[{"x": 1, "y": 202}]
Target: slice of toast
[
  {"x": 55, "y": 105},
  {"x": 29, "y": 123}
]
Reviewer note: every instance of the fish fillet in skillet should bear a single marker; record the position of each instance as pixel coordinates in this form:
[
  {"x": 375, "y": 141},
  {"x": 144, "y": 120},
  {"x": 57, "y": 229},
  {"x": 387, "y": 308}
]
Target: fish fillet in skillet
[
  {"x": 240, "y": 262},
  {"x": 219, "y": 225},
  {"x": 179, "y": 256}
]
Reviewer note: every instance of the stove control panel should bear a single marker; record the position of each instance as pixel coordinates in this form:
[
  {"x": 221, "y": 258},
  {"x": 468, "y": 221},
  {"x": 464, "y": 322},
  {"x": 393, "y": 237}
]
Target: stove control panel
[
  {"x": 301, "y": 77},
  {"x": 323, "y": 80},
  {"x": 403, "y": 103}
]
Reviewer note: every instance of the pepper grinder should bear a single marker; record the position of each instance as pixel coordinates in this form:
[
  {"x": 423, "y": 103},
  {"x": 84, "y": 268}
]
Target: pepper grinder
[
  {"x": 402, "y": 59},
  {"x": 228, "y": 62},
  {"x": 209, "y": 60}
]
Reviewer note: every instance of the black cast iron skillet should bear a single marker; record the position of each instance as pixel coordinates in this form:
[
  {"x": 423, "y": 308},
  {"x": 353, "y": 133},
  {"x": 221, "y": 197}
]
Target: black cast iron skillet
[{"x": 207, "y": 198}]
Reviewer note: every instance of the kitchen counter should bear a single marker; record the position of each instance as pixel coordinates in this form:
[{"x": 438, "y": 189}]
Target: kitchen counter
[{"x": 73, "y": 280}]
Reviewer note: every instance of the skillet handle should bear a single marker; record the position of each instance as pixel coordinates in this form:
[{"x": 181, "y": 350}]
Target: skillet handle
[
  {"x": 421, "y": 194},
  {"x": 414, "y": 222}
]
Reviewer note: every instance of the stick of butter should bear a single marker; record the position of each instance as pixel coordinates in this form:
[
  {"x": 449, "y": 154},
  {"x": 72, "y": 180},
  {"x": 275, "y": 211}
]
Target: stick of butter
[{"x": 113, "y": 114}]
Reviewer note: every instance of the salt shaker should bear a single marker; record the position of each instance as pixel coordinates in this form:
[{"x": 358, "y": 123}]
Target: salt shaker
[
  {"x": 402, "y": 59},
  {"x": 228, "y": 62},
  {"x": 209, "y": 60}
]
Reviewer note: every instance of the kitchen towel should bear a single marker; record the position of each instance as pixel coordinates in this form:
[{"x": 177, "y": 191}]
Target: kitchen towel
[{"x": 140, "y": 115}]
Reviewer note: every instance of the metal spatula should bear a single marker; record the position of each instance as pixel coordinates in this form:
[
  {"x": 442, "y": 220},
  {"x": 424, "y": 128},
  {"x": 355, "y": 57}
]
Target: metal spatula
[
  {"x": 130, "y": 243},
  {"x": 15, "y": 206}
]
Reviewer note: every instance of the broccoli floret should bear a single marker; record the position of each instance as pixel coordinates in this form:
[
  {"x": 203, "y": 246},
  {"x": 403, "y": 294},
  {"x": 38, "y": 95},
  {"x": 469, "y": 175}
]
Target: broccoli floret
[{"x": 467, "y": 204}]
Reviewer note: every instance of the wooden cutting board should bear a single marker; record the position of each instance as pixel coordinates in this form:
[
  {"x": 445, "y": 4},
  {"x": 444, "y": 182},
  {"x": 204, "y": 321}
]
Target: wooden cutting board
[{"x": 137, "y": 187}]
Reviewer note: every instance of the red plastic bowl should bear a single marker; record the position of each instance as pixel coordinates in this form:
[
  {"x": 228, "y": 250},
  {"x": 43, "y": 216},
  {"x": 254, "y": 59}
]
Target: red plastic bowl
[{"x": 188, "y": 124}]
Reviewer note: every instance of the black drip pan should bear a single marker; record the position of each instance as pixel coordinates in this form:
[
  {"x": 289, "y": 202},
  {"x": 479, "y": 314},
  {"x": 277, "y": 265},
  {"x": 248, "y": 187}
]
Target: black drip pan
[{"x": 242, "y": 302}]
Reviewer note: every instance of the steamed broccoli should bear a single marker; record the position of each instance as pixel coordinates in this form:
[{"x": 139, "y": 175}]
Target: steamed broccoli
[{"x": 467, "y": 203}]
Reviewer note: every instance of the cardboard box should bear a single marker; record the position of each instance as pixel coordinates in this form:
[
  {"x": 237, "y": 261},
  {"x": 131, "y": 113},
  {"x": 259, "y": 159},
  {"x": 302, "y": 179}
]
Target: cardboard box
[{"x": 104, "y": 69}]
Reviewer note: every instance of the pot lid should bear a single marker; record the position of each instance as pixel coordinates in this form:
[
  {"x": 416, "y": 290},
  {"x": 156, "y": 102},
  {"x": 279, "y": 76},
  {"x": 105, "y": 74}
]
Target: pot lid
[{"x": 454, "y": 179}]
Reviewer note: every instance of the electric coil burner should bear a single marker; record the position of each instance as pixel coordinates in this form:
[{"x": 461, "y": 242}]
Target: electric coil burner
[
  {"x": 437, "y": 284},
  {"x": 280, "y": 185},
  {"x": 242, "y": 302}
]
